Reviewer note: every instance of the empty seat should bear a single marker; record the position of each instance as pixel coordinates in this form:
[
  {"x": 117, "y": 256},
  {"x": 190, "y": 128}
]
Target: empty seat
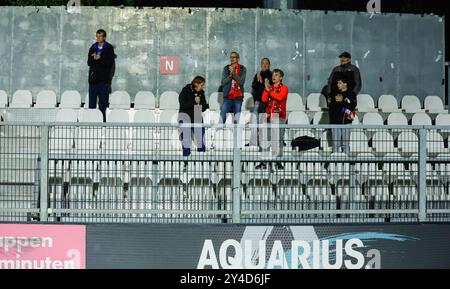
[
  {"x": 70, "y": 99},
  {"x": 408, "y": 142},
  {"x": 143, "y": 137},
  {"x": 66, "y": 115},
  {"x": 382, "y": 142},
  {"x": 397, "y": 118},
  {"x": 434, "y": 104},
  {"x": 21, "y": 99},
  {"x": 45, "y": 99},
  {"x": 144, "y": 100},
  {"x": 215, "y": 100},
  {"x": 116, "y": 138},
  {"x": 338, "y": 170},
  {"x": 316, "y": 102},
  {"x": 421, "y": 119},
  {"x": 372, "y": 118},
  {"x": 443, "y": 119},
  {"x": 394, "y": 169},
  {"x": 411, "y": 104},
  {"x": 294, "y": 102},
  {"x": 169, "y": 116},
  {"x": 435, "y": 143},
  {"x": 144, "y": 116},
  {"x": 169, "y": 100},
  {"x": 321, "y": 117},
  {"x": 359, "y": 142},
  {"x": 117, "y": 116},
  {"x": 119, "y": 99},
  {"x": 367, "y": 171},
  {"x": 365, "y": 103},
  {"x": 90, "y": 115},
  {"x": 3, "y": 98},
  {"x": 298, "y": 117},
  {"x": 388, "y": 103}
]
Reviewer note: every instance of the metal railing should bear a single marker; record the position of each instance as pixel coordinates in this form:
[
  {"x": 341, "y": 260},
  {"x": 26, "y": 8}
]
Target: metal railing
[{"x": 84, "y": 172}]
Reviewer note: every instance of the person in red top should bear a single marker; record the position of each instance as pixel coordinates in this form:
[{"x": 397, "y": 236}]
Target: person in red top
[{"x": 275, "y": 96}]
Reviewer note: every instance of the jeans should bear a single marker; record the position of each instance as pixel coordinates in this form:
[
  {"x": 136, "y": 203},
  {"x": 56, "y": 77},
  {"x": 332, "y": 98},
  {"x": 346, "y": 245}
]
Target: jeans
[
  {"x": 186, "y": 134},
  {"x": 100, "y": 90},
  {"x": 256, "y": 119},
  {"x": 341, "y": 138},
  {"x": 230, "y": 106},
  {"x": 272, "y": 137}
]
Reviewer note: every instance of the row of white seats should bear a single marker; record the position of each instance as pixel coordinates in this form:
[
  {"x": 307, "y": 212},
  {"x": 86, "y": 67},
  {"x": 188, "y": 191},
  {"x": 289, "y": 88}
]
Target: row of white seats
[{"x": 169, "y": 100}]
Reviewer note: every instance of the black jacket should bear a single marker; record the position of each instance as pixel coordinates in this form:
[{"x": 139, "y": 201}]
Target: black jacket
[
  {"x": 187, "y": 101},
  {"x": 258, "y": 87},
  {"x": 336, "y": 109},
  {"x": 101, "y": 70},
  {"x": 349, "y": 72}
]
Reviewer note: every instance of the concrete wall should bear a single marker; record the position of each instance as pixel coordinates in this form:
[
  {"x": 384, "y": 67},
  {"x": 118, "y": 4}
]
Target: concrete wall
[{"x": 46, "y": 48}]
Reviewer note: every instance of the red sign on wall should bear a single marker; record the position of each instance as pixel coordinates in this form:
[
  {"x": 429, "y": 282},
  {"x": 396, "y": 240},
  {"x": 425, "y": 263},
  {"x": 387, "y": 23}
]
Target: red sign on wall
[{"x": 169, "y": 64}]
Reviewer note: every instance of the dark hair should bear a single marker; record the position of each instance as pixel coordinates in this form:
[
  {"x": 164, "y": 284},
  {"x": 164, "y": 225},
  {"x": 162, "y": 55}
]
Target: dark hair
[
  {"x": 197, "y": 80},
  {"x": 234, "y": 52},
  {"x": 101, "y": 31},
  {"x": 343, "y": 79},
  {"x": 265, "y": 58},
  {"x": 277, "y": 70}
]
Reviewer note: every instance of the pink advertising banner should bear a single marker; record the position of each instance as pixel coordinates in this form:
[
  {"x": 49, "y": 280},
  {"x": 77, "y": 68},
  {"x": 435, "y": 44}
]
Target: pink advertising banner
[{"x": 29, "y": 246}]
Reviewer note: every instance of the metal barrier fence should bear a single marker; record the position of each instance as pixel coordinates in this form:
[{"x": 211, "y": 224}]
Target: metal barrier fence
[{"x": 84, "y": 172}]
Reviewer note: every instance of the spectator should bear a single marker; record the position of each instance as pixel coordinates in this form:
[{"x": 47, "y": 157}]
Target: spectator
[
  {"x": 342, "y": 111},
  {"x": 192, "y": 104},
  {"x": 100, "y": 60},
  {"x": 275, "y": 96},
  {"x": 346, "y": 70},
  {"x": 257, "y": 92},
  {"x": 233, "y": 79}
]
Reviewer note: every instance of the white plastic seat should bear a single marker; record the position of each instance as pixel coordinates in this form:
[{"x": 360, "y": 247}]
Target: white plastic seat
[
  {"x": 90, "y": 115},
  {"x": 367, "y": 171},
  {"x": 316, "y": 102},
  {"x": 338, "y": 170},
  {"x": 397, "y": 118},
  {"x": 372, "y": 118},
  {"x": 443, "y": 119},
  {"x": 66, "y": 115},
  {"x": 144, "y": 116},
  {"x": 321, "y": 117},
  {"x": 421, "y": 118},
  {"x": 21, "y": 99},
  {"x": 434, "y": 104},
  {"x": 169, "y": 100},
  {"x": 143, "y": 138},
  {"x": 116, "y": 138},
  {"x": 435, "y": 143},
  {"x": 215, "y": 101},
  {"x": 298, "y": 117},
  {"x": 365, "y": 103},
  {"x": 312, "y": 170},
  {"x": 394, "y": 171},
  {"x": 359, "y": 142},
  {"x": 119, "y": 99},
  {"x": 144, "y": 100},
  {"x": 3, "y": 98},
  {"x": 294, "y": 102},
  {"x": 70, "y": 99},
  {"x": 169, "y": 116},
  {"x": 388, "y": 103},
  {"x": 411, "y": 104},
  {"x": 382, "y": 142},
  {"x": 408, "y": 142},
  {"x": 89, "y": 137},
  {"x": 45, "y": 99}
]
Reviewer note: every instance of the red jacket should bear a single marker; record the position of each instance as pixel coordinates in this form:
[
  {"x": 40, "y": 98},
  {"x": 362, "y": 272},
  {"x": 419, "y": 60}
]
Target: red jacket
[{"x": 276, "y": 100}]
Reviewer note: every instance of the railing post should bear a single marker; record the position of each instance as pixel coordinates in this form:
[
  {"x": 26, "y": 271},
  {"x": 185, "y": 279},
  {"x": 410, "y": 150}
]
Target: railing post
[
  {"x": 422, "y": 189},
  {"x": 236, "y": 175},
  {"x": 43, "y": 214}
]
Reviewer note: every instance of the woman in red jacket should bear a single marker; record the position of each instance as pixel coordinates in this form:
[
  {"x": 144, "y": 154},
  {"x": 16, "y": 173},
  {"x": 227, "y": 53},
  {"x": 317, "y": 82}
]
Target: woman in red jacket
[{"x": 275, "y": 96}]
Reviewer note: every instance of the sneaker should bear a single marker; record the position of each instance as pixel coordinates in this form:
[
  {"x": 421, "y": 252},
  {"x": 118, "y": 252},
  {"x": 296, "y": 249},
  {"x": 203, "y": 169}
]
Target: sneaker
[{"x": 261, "y": 166}]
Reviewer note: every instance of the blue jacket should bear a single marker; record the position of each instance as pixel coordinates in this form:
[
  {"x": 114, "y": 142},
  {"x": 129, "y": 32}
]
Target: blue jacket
[{"x": 226, "y": 80}]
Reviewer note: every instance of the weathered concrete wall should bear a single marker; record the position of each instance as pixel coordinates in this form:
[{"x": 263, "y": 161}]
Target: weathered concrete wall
[{"x": 46, "y": 48}]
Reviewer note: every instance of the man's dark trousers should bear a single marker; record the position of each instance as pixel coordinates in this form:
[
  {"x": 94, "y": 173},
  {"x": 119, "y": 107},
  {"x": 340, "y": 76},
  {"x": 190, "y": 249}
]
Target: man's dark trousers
[{"x": 101, "y": 91}]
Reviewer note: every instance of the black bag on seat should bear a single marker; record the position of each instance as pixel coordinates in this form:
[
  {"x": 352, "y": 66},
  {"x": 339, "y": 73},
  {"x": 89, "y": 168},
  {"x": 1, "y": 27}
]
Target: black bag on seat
[{"x": 304, "y": 143}]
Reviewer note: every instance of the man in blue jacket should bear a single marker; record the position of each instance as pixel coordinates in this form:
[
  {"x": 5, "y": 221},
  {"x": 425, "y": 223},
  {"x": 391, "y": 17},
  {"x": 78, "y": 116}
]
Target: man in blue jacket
[{"x": 233, "y": 79}]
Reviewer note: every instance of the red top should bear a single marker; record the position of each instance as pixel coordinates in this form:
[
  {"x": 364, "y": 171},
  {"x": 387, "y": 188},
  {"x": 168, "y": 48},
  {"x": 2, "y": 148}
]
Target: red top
[{"x": 276, "y": 98}]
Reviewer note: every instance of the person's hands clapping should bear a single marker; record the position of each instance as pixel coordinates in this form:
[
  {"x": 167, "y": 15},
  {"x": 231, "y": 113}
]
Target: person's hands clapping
[
  {"x": 267, "y": 84},
  {"x": 197, "y": 100}
]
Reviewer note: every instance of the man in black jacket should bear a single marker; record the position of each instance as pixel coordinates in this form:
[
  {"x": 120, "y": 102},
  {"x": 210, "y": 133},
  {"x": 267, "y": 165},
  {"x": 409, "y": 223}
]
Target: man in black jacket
[
  {"x": 101, "y": 62},
  {"x": 258, "y": 87},
  {"x": 345, "y": 70},
  {"x": 342, "y": 109},
  {"x": 192, "y": 103}
]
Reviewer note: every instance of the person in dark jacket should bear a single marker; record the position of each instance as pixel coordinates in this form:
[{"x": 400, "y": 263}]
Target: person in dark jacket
[
  {"x": 345, "y": 70},
  {"x": 232, "y": 86},
  {"x": 100, "y": 61},
  {"x": 192, "y": 103},
  {"x": 257, "y": 91},
  {"x": 342, "y": 110}
]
